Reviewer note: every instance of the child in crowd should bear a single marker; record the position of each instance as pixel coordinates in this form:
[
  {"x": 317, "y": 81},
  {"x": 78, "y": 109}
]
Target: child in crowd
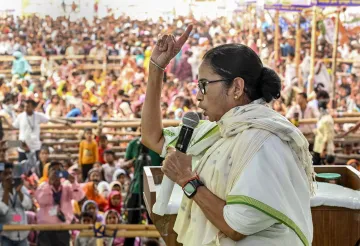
[
  {"x": 94, "y": 175},
  {"x": 110, "y": 166},
  {"x": 114, "y": 202},
  {"x": 121, "y": 177},
  {"x": 88, "y": 153},
  {"x": 43, "y": 160},
  {"x": 112, "y": 217},
  {"x": 103, "y": 142},
  {"x": 92, "y": 208},
  {"x": 115, "y": 186},
  {"x": 86, "y": 218}
]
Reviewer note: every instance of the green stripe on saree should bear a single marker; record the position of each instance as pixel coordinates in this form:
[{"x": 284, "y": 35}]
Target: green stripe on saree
[{"x": 269, "y": 211}]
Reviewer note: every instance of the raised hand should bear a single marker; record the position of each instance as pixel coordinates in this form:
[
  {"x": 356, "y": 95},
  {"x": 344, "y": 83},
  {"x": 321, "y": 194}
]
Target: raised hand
[{"x": 167, "y": 48}]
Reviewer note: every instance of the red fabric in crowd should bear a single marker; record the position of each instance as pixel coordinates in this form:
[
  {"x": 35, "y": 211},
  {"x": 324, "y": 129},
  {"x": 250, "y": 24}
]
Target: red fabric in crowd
[{"x": 110, "y": 205}]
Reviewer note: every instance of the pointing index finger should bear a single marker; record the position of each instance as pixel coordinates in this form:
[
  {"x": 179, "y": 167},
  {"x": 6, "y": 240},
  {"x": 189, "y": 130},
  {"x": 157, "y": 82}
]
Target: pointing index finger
[{"x": 181, "y": 41}]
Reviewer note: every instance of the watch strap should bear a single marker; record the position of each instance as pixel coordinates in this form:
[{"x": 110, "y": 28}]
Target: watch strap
[
  {"x": 193, "y": 178},
  {"x": 196, "y": 183}
]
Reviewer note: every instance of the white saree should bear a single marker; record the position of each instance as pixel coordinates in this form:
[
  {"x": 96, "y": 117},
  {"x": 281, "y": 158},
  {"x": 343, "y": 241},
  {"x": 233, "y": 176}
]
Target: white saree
[{"x": 259, "y": 163}]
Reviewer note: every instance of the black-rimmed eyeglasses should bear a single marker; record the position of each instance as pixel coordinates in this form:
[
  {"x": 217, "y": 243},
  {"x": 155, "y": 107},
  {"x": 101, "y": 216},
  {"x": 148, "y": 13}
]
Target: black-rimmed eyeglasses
[{"x": 203, "y": 82}]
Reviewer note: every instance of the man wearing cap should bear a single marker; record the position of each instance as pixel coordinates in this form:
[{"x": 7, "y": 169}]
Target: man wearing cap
[{"x": 55, "y": 201}]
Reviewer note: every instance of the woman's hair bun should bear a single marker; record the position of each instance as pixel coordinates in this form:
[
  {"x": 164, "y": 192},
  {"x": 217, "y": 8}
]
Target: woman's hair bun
[
  {"x": 269, "y": 84},
  {"x": 230, "y": 61}
]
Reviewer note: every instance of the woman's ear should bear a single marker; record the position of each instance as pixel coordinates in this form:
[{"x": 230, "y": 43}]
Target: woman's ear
[{"x": 238, "y": 87}]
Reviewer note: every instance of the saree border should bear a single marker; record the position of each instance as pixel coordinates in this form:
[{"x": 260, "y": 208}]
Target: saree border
[{"x": 246, "y": 200}]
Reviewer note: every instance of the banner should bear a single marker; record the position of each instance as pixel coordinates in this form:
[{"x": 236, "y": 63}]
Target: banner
[
  {"x": 336, "y": 2},
  {"x": 245, "y": 2},
  {"x": 287, "y": 5},
  {"x": 329, "y": 28}
]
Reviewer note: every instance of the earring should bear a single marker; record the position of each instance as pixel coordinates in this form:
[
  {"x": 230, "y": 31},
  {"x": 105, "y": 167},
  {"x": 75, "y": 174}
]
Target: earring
[{"x": 235, "y": 97}]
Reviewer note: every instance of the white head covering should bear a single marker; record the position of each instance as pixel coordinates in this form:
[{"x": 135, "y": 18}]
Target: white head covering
[
  {"x": 104, "y": 189},
  {"x": 117, "y": 173}
]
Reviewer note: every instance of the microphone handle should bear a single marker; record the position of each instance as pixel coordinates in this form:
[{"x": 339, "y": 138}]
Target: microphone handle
[{"x": 184, "y": 138}]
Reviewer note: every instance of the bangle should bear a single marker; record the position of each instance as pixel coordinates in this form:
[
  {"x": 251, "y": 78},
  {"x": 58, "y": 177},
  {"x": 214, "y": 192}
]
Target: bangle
[
  {"x": 192, "y": 178},
  {"x": 156, "y": 65}
]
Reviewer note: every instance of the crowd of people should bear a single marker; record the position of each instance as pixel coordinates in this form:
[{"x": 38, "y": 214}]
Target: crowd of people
[{"x": 98, "y": 186}]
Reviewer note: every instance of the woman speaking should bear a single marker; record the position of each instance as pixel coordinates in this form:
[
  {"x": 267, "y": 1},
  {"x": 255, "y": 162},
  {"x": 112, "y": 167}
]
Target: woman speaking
[{"x": 247, "y": 173}]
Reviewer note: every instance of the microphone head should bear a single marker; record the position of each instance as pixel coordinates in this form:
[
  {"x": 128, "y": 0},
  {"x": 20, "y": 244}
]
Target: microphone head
[{"x": 191, "y": 119}]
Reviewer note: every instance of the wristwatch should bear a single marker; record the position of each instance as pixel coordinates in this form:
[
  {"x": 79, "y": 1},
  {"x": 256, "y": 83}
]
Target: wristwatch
[{"x": 190, "y": 187}]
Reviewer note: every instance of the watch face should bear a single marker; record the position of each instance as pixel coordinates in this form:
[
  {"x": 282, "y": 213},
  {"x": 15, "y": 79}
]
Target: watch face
[{"x": 189, "y": 189}]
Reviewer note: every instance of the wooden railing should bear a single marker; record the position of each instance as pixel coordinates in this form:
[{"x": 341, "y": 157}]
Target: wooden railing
[
  {"x": 124, "y": 230},
  {"x": 35, "y": 62},
  {"x": 107, "y": 66},
  {"x": 65, "y": 141},
  {"x": 166, "y": 123},
  {"x": 60, "y": 57}
]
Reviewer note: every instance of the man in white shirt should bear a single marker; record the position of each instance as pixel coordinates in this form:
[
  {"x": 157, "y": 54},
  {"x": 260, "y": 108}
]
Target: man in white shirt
[
  {"x": 303, "y": 110},
  {"x": 14, "y": 201},
  {"x": 28, "y": 123}
]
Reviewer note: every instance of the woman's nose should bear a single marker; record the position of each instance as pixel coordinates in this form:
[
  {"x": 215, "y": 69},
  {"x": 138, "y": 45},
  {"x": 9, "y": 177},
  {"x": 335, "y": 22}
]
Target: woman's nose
[{"x": 199, "y": 96}]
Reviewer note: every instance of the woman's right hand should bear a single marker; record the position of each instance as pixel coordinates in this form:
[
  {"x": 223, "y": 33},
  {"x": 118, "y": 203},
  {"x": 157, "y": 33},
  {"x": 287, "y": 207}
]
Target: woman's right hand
[{"x": 167, "y": 48}]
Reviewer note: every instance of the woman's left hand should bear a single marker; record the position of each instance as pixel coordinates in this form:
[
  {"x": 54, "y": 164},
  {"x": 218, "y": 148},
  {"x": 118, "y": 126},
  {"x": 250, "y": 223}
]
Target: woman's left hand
[{"x": 177, "y": 166}]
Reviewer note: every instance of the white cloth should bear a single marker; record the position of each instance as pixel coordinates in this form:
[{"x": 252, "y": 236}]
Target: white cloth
[
  {"x": 323, "y": 77},
  {"x": 290, "y": 74},
  {"x": 305, "y": 66},
  {"x": 29, "y": 128},
  {"x": 174, "y": 201},
  {"x": 335, "y": 196},
  {"x": 222, "y": 154},
  {"x": 325, "y": 134},
  {"x": 279, "y": 172}
]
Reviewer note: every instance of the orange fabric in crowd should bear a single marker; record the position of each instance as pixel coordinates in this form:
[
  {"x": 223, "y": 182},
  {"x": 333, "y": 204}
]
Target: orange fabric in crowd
[
  {"x": 45, "y": 176},
  {"x": 92, "y": 194}
]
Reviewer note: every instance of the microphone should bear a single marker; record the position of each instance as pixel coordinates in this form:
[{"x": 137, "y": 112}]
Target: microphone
[{"x": 190, "y": 121}]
